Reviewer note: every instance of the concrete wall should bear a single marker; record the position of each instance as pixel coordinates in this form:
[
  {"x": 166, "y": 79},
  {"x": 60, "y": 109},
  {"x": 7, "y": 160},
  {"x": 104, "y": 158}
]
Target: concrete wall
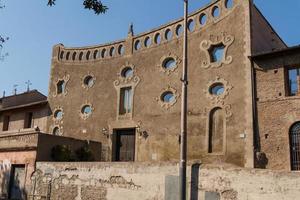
[{"x": 144, "y": 181}]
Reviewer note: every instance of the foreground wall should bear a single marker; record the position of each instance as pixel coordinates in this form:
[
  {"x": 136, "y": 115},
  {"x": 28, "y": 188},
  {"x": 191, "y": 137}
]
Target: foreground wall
[{"x": 144, "y": 181}]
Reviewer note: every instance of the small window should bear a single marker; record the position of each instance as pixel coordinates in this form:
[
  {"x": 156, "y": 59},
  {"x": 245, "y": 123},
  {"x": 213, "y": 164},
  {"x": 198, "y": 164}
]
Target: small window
[
  {"x": 168, "y": 97},
  {"x": 191, "y": 25},
  {"x": 6, "y": 121},
  {"x": 127, "y": 72},
  {"x": 62, "y": 55},
  {"x": 96, "y": 54},
  {"x": 56, "y": 131},
  {"x": 28, "y": 120},
  {"x": 229, "y": 4},
  {"x": 217, "y": 89},
  {"x": 168, "y": 34},
  {"x": 74, "y": 56},
  {"x": 169, "y": 63},
  {"x": 216, "y": 11},
  {"x": 147, "y": 42},
  {"x": 125, "y": 100},
  {"x": 179, "y": 30},
  {"x": 112, "y": 51},
  {"x": 61, "y": 87},
  {"x": 89, "y": 81},
  {"x": 137, "y": 45},
  {"x": 87, "y": 56},
  {"x": 103, "y": 53},
  {"x": 217, "y": 53},
  {"x": 58, "y": 114},
  {"x": 203, "y": 19},
  {"x": 68, "y": 56},
  {"x": 86, "y": 110},
  {"x": 293, "y": 77},
  {"x": 157, "y": 38},
  {"x": 121, "y": 49},
  {"x": 80, "y": 55}
]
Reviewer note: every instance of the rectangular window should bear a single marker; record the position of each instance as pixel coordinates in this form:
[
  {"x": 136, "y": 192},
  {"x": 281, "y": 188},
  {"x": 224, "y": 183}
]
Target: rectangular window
[
  {"x": 28, "y": 120},
  {"x": 293, "y": 75},
  {"x": 6, "y": 120},
  {"x": 125, "y": 100}
]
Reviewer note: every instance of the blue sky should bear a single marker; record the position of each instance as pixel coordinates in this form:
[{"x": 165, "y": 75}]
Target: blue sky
[{"x": 34, "y": 28}]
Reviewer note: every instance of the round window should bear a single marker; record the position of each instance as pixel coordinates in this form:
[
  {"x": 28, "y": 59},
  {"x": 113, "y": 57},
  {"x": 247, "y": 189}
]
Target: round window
[
  {"x": 203, "y": 19},
  {"x": 191, "y": 25},
  {"x": 89, "y": 81},
  {"x": 168, "y": 97},
  {"x": 216, "y": 11},
  {"x": 86, "y": 110},
  {"x": 56, "y": 131},
  {"x": 169, "y": 63},
  {"x": 217, "y": 89},
  {"x": 58, "y": 114},
  {"x": 121, "y": 50},
  {"x": 147, "y": 42},
  {"x": 229, "y": 3},
  {"x": 179, "y": 30},
  {"x": 168, "y": 34},
  {"x": 127, "y": 72},
  {"x": 157, "y": 38},
  {"x": 137, "y": 45}
]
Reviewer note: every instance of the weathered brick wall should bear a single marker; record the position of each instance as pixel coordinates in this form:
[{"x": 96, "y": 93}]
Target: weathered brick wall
[{"x": 144, "y": 181}]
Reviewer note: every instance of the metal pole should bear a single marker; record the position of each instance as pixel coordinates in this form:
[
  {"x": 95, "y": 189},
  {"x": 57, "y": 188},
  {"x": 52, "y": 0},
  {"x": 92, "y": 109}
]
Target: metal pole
[{"x": 183, "y": 135}]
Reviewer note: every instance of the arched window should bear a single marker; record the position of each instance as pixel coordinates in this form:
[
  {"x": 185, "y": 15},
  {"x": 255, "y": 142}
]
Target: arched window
[
  {"x": 295, "y": 146},
  {"x": 216, "y": 131}
]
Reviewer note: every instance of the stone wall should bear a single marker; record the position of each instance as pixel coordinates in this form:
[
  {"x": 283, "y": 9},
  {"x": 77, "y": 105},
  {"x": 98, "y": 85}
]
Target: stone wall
[
  {"x": 145, "y": 181},
  {"x": 150, "y": 80}
]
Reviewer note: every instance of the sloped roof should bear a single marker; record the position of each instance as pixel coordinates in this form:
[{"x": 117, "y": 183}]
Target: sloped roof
[{"x": 25, "y": 99}]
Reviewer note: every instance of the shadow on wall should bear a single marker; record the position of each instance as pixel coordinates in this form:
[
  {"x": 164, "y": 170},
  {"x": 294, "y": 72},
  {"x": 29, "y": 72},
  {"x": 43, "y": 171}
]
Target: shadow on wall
[
  {"x": 12, "y": 186},
  {"x": 261, "y": 160},
  {"x": 4, "y": 175},
  {"x": 195, "y": 181}
]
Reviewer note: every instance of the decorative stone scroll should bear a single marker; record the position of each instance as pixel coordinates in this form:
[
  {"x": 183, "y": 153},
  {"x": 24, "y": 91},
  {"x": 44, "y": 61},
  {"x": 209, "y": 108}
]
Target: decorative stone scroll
[
  {"x": 226, "y": 107},
  {"x": 168, "y": 105},
  {"x": 122, "y": 81},
  {"x": 66, "y": 79},
  {"x": 162, "y": 61},
  {"x": 206, "y": 45},
  {"x": 132, "y": 80},
  {"x": 221, "y": 97},
  {"x": 89, "y": 74},
  {"x": 83, "y": 115}
]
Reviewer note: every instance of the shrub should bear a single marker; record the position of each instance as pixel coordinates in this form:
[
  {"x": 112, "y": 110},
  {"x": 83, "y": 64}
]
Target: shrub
[
  {"x": 61, "y": 153},
  {"x": 85, "y": 154}
]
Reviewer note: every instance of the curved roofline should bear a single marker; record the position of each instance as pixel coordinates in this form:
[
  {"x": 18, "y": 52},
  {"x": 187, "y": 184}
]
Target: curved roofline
[{"x": 143, "y": 33}]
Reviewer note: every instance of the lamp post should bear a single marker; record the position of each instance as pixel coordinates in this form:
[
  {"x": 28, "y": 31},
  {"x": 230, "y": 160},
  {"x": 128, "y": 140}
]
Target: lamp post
[{"x": 183, "y": 133}]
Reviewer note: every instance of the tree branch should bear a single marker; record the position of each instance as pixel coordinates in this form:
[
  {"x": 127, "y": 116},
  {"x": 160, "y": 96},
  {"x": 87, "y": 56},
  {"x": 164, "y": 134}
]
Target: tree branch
[{"x": 95, "y": 5}]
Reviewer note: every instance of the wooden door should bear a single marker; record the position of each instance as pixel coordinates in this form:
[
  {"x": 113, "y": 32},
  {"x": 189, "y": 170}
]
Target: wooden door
[{"x": 125, "y": 145}]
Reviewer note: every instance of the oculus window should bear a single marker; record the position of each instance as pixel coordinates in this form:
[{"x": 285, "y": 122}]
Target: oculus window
[{"x": 168, "y": 97}]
